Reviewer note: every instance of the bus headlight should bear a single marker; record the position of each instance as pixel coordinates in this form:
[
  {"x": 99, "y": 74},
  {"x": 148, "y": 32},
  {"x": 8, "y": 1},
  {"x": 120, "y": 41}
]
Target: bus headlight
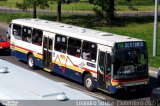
[
  {"x": 146, "y": 82},
  {"x": 0, "y": 47}
]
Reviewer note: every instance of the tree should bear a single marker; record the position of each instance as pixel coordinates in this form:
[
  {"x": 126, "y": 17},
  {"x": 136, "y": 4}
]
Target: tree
[
  {"x": 3, "y": 0},
  {"x": 42, "y": 4},
  {"x": 105, "y": 9},
  {"x": 34, "y": 3},
  {"x": 59, "y": 3}
]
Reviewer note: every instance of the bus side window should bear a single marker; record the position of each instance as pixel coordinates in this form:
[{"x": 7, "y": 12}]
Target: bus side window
[
  {"x": 89, "y": 51},
  {"x": 60, "y": 43},
  {"x": 26, "y": 34},
  {"x": 16, "y": 31},
  {"x": 37, "y": 37},
  {"x": 74, "y": 47}
]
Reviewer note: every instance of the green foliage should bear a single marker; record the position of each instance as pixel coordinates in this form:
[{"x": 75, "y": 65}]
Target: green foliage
[
  {"x": 22, "y": 6},
  {"x": 135, "y": 2},
  {"x": 104, "y": 8},
  {"x": 41, "y": 3},
  {"x": 84, "y": 5},
  {"x": 26, "y": 3}
]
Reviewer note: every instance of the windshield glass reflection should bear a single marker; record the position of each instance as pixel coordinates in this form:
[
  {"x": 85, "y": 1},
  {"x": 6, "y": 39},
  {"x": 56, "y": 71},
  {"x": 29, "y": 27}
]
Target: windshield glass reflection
[{"x": 129, "y": 63}]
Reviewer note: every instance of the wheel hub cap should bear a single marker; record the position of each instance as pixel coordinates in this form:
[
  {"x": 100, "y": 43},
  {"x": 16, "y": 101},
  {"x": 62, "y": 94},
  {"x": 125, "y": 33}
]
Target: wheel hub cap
[
  {"x": 88, "y": 82},
  {"x": 30, "y": 62}
]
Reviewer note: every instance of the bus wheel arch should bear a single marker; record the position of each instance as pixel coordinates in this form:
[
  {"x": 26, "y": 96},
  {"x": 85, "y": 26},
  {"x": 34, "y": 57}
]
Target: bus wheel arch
[
  {"x": 88, "y": 81},
  {"x": 30, "y": 61}
]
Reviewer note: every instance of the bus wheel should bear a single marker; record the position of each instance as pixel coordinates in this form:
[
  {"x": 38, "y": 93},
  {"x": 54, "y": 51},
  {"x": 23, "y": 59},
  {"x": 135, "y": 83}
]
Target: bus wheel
[
  {"x": 31, "y": 62},
  {"x": 88, "y": 82}
]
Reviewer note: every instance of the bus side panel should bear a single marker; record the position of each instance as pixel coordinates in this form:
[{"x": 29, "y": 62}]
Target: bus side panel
[
  {"x": 19, "y": 49},
  {"x": 38, "y": 62},
  {"x": 23, "y": 56},
  {"x": 12, "y": 50},
  {"x": 71, "y": 66},
  {"x": 20, "y": 55},
  {"x": 77, "y": 76},
  {"x": 57, "y": 69},
  {"x": 67, "y": 72}
]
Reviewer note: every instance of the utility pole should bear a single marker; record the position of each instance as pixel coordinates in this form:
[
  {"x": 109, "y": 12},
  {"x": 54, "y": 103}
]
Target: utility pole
[{"x": 155, "y": 29}]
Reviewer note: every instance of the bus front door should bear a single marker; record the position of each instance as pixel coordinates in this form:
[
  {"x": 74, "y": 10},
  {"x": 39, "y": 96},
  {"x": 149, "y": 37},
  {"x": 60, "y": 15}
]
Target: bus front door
[
  {"x": 103, "y": 75},
  {"x": 47, "y": 52}
]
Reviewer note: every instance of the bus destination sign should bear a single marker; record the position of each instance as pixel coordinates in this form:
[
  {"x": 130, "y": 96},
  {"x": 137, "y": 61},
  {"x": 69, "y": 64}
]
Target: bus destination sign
[{"x": 127, "y": 45}]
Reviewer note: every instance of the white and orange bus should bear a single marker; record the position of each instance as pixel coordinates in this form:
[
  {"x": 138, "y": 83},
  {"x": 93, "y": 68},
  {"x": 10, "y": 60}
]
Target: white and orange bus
[{"x": 97, "y": 59}]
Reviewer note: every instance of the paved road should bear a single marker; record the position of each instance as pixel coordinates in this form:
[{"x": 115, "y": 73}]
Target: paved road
[
  {"x": 118, "y": 13},
  {"x": 133, "y": 95}
]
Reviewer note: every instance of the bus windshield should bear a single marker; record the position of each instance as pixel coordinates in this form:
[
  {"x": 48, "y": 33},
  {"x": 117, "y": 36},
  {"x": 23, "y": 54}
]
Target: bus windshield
[{"x": 131, "y": 63}]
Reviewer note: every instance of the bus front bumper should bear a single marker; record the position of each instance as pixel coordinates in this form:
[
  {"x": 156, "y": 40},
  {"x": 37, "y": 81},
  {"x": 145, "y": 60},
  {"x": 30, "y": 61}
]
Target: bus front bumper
[{"x": 129, "y": 84}]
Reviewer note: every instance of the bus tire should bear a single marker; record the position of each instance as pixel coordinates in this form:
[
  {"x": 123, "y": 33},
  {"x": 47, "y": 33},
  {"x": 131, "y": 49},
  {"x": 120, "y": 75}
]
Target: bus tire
[
  {"x": 88, "y": 82},
  {"x": 31, "y": 63}
]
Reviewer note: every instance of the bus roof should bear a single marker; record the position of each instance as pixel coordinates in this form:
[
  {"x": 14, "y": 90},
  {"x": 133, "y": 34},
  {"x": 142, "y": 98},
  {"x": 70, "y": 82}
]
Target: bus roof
[{"x": 74, "y": 31}]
